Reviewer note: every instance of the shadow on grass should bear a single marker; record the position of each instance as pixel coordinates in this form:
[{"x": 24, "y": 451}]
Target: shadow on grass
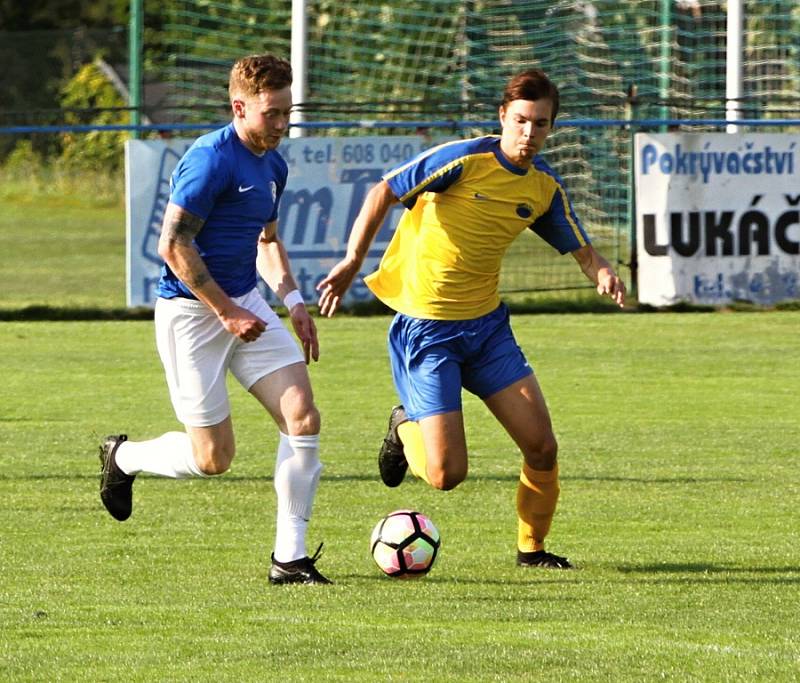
[
  {"x": 693, "y": 572},
  {"x": 524, "y": 579},
  {"x": 53, "y": 313},
  {"x": 373, "y": 308},
  {"x": 658, "y": 480},
  {"x": 232, "y": 479}
]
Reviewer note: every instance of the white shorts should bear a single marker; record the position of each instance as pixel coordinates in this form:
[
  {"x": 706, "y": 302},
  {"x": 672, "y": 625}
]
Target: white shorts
[{"x": 197, "y": 352}]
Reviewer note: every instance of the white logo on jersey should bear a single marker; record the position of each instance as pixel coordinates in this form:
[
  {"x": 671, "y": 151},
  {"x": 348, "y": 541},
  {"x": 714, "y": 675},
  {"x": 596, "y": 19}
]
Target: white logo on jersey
[
  {"x": 274, "y": 189},
  {"x": 246, "y": 189}
]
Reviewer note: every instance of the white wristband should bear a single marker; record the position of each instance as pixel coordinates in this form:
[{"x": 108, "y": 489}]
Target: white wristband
[{"x": 292, "y": 299}]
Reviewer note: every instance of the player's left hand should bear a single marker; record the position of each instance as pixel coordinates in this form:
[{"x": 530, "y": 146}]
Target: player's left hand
[
  {"x": 610, "y": 284},
  {"x": 306, "y": 331},
  {"x": 335, "y": 285}
]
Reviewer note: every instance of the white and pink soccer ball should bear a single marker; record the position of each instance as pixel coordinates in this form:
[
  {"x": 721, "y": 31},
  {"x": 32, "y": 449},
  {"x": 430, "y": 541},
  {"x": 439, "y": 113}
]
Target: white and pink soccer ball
[{"x": 404, "y": 544}]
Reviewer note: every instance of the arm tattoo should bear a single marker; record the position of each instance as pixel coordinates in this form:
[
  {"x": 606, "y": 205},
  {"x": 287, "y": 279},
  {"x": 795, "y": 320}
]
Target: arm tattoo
[
  {"x": 180, "y": 226},
  {"x": 198, "y": 278}
]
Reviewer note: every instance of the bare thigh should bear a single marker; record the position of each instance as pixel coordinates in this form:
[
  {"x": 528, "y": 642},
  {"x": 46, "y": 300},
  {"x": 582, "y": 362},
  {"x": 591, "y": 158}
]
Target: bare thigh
[
  {"x": 522, "y": 411},
  {"x": 445, "y": 449},
  {"x": 287, "y": 396},
  {"x": 289, "y": 399}
]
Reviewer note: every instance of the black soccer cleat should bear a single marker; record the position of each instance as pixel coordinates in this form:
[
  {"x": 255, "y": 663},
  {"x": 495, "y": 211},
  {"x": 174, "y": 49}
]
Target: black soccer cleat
[
  {"x": 392, "y": 461},
  {"x": 541, "y": 558},
  {"x": 297, "y": 571},
  {"x": 116, "y": 487}
]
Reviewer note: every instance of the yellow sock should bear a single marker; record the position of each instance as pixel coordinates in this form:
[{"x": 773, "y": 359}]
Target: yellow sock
[
  {"x": 537, "y": 495},
  {"x": 414, "y": 448}
]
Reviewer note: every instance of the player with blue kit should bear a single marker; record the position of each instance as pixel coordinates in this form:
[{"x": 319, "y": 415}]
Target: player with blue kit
[
  {"x": 466, "y": 201},
  {"x": 219, "y": 233}
]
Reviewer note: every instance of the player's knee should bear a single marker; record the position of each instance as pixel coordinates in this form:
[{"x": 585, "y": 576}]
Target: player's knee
[
  {"x": 446, "y": 479},
  {"x": 304, "y": 422},
  {"x": 542, "y": 453},
  {"x": 212, "y": 469},
  {"x": 214, "y": 459}
]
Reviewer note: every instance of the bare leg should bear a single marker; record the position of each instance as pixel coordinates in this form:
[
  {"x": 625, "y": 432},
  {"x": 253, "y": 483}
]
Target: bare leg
[
  {"x": 522, "y": 411},
  {"x": 287, "y": 396},
  {"x": 445, "y": 450}
]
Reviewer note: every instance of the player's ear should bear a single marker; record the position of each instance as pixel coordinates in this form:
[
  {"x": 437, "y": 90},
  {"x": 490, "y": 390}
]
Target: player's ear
[
  {"x": 238, "y": 106},
  {"x": 501, "y": 113}
]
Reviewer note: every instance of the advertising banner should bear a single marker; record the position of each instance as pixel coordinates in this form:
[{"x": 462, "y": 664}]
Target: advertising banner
[
  {"x": 717, "y": 218},
  {"x": 328, "y": 180}
]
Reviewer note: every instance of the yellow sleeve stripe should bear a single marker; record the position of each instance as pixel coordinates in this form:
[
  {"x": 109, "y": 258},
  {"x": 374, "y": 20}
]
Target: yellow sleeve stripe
[{"x": 568, "y": 214}]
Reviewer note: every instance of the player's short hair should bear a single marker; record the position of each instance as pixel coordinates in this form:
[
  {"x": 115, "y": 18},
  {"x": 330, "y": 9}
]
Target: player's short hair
[
  {"x": 257, "y": 73},
  {"x": 532, "y": 85}
]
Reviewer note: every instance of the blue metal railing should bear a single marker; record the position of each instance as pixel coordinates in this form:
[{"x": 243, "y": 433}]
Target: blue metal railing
[{"x": 321, "y": 125}]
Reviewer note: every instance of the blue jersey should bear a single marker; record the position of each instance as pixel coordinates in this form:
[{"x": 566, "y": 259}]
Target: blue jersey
[{"x": 236, "y": 193}]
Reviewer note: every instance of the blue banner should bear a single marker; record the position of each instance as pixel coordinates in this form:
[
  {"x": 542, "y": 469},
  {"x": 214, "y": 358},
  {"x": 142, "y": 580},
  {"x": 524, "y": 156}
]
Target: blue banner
[{"x": 328, "y": 181}]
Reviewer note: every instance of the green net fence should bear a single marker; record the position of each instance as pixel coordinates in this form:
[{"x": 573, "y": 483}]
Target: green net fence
[
  {"x": 450, "y": 57},
  {"x": 447, "y": 60}
]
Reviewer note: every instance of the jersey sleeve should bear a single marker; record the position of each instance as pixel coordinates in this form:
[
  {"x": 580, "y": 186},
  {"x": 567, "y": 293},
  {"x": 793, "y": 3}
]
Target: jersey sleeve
[
  {"x": 200, "y": 177},
  {"x": 433, "y": 170},
  {"x": 560, "y": 226}
]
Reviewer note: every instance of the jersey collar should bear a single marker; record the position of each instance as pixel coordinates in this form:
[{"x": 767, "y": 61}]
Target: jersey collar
[{"x": 505, "y": 163}]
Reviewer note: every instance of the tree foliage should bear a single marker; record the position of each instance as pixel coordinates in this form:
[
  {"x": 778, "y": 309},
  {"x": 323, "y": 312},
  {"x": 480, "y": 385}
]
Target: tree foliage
[
  {"x": 33, "y": 15},
  {"x": 90, "y": 89}
]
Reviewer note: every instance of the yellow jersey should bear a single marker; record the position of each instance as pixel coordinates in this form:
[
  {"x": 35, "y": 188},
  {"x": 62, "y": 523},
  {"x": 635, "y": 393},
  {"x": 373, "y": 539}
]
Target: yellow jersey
[{"x": 465, "y": 203}]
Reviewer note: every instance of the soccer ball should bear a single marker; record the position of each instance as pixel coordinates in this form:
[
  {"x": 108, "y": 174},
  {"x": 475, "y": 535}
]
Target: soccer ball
[{"x": 404, "y": 544}]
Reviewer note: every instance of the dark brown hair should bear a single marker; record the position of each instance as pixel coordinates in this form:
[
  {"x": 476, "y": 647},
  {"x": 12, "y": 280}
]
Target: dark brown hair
[
  {"x": 532, "y": 85},
  {"x": 257, "y": 73}
]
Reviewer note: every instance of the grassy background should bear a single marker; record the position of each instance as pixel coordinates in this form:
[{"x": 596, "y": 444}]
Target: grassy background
[
  {"x": 680, "y": 483},
  {"x": 62, "y": 239},
  {"x": 680, "y": 480},
  {"x": 62, "y": 246}
]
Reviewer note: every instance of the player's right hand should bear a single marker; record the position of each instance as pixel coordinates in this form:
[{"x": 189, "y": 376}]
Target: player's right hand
[
  {"x": 333, "y": 288},
  {"x": 243, "y": 324}
]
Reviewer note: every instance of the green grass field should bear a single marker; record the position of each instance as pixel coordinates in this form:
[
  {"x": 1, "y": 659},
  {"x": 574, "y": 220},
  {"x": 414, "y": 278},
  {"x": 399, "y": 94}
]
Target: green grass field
[
  {"x": 680, "y": 484},
  {"x": 61, "y": 250}
]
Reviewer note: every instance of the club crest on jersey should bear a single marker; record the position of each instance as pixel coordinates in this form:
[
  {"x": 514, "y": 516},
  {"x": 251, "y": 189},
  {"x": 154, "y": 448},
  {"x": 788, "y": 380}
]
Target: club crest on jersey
[
  {"x": 273, "y": 188},
  {"x": 524, "y": 210}
]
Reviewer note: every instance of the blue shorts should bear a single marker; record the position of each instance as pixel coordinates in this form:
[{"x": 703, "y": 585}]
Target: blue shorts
[{"x": 432, "y": 360}]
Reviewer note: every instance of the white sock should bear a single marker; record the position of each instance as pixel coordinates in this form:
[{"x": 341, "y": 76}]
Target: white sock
[
  {"x": 297, "y": 470},
  {"x": 170, "y": 455}
]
